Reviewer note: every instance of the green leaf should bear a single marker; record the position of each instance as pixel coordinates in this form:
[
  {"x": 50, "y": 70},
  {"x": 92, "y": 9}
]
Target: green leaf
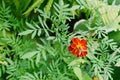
[
  {"x": 44, "y": 55},
  {"x": 48, "y": 6},
  {"x": 118, "y": 64},
  {"x": 115, "y": 35},
  {"x": 36, "y": 25},
  {"x": 20, "y": 5},
  {"x": 50, "y": 37},
  {"x": 75, "y": 7},
  {"x": 26, "y": 32},
  {"x": 80, "y": 75},
  {"x": 41, "y": 22},
  {"x": 30, "y": 26},
  {"x": 86, "y": 76},
  {"x": 34, "y": 5},
  {"x": 0, "y": 73},
  {"x": 78, "y": 72},
  {"x": 37, "y": 59},
  {"x": 34, "y": 34},
  {"x": 61, "y": 2},
  {"x": 29, "y": 55},
  {"x": 76, "y": 62},
  {"x": 81, "y": 25},
  {"x": 39, "y": 32}
]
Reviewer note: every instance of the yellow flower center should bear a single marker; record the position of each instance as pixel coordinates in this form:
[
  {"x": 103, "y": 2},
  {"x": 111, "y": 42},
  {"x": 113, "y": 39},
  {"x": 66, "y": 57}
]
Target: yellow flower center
[
  {"x": 95, "y": 78},
  {"x": 79, "y": 46}
]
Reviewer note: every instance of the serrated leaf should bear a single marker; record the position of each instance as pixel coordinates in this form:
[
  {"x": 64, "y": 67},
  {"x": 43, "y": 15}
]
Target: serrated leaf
[
  {"x": 50, "y": 37},
  {"x": 30, "y": 76},
  {"x": 118, "y": 64},
  {"x": 30, "y": 25},
  {"x": 75, "y": 7},
  {"x": 40, "y": 20},
  {"x": 29, "y": 55},
  {"x": 26, "y": 32},
  {"x": 34, "y": 34},
  {"x": 61, "y": 2},
  {"x": 39, "y": 32},
  {"x": 44, "y": 55},
  {"x": 37, "y": 59},
  {"x": 36, "y": 25},
  {"x": 10, "y": 61}
]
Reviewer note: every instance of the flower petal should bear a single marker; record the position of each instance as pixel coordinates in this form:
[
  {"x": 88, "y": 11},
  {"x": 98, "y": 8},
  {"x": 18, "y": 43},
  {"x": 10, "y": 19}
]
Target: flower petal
[
  {"x": 75, "y": 40},
  {"x": 75, "y": 51},
  {"x": 70, "y": 48},
  {"x": 73, "y": 45},
  {"x": 83, "y": 54},
  {"x": 83, "y": 42},
  {"x": 84, "y": 47}
]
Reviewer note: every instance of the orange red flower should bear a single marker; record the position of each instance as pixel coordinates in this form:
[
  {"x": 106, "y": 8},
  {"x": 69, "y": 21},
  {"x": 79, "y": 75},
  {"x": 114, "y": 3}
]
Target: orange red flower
[{"x": 78, "y": 47}]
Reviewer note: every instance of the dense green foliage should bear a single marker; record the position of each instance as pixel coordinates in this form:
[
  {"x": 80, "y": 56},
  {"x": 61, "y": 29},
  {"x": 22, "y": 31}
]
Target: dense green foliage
[{"x": 35, "y": 35}]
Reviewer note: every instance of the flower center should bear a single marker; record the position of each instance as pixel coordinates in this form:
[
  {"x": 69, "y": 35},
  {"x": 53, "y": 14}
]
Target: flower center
[{"x": 79, "y": 46}]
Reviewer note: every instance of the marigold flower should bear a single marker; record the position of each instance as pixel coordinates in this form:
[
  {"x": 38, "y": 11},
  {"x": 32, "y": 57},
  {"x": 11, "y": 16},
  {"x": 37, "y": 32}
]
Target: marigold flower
[{"x": 78, "y": 47}]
